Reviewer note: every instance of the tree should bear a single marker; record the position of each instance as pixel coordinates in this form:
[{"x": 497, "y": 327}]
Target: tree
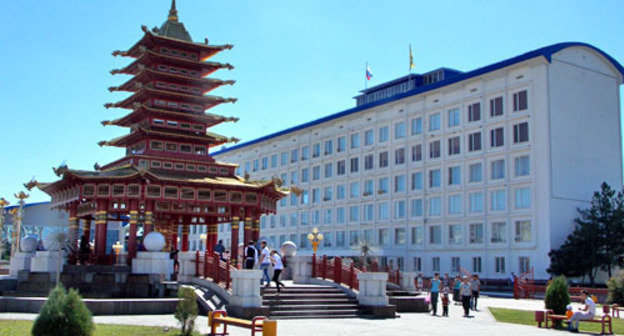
[
  {"x": 557, "y": 296},
  {"x": 616, "y": 289},
  {"x": 365, "y": 250},
  {"x": 63, "y": 314},
  {"x": 186, "y": 311},
  {"x": 596, "y": 242}
]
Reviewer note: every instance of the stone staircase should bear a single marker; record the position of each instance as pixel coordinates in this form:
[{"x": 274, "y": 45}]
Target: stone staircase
[{"x": 308, "y": 302}]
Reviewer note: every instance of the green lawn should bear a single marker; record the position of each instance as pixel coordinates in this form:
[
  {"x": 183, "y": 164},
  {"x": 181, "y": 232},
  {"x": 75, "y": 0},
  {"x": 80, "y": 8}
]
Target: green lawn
[
  {"x": 22, "y": 328},
  {"x": 528, "y": 318}
]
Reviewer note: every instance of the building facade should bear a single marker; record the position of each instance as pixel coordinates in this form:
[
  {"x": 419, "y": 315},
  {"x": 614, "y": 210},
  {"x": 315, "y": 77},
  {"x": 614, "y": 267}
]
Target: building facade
[{"x": 450, "y": 170}]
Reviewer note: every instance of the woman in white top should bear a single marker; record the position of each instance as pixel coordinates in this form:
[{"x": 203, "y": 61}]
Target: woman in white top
[
  {"x": 586, "y": 313},
  {"x": 278, "y": 266}
]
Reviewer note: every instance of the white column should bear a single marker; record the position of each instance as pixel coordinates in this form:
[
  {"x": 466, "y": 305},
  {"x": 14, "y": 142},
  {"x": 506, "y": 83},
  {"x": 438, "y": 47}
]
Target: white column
[
  {"x": 246, "y": 288},
  {"x": 373, "y": 289},
  {"x": 187, "y": 266},
  {"x": 301, "y": 269},
  {"x": 407, "y": 281}
]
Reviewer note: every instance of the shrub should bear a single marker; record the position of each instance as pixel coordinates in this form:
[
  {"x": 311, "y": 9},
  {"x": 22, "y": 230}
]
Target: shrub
[
  {"x": 63, "y": 314},
  {"x": 557, "y": 296},
  {"x": 616, "y": 289},
  {"x": 186, "y": 312}
]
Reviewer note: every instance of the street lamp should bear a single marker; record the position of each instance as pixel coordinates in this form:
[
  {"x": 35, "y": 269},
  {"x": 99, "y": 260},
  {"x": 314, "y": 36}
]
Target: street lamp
[
  {"x": 117, "y": 247},
  {"x": 315, "y": 238},
  {"x": 3, "y": 203},
  {"x": 18, "y": 216},
  {"x": 202, "y": 240}
]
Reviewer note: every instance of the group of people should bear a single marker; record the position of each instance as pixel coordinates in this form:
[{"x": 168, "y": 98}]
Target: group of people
[
  {"x": 465, "y": 292},
  {"x": 260, "y": 257}
]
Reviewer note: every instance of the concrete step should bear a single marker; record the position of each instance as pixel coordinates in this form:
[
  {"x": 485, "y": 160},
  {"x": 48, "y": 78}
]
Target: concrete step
[
  {"x": 315, "y": 317},
  {"x": 303, "y": 296},
  {"x": 278, "y": 302},
  {"x": 316, "y": 307},
  {"x": 301, "y": 290},
  {"x": 306, "y": 313}
]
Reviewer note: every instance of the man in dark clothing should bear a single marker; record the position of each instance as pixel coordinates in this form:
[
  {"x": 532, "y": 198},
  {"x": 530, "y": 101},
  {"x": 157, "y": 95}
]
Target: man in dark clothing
[
  {"x": 250, "y": 255},
  {"x": 219, "y": 248}
]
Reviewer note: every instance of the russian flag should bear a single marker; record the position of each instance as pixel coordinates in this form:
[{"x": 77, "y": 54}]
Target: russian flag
[{"x": 369, "y": 74}]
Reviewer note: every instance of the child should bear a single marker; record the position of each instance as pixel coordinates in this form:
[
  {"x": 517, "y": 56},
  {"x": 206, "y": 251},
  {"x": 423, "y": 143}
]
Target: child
[{"x": 445, "y": 300}]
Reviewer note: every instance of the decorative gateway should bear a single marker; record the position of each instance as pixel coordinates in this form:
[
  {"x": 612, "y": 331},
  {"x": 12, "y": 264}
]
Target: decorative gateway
[{"x": 167, "y": 179}]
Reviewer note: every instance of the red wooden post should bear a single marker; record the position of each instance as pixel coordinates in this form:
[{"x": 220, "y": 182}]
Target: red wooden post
[
  {"x": 337, "y": 269},
  {"x": 324, "y": 269},
  {"x": 352, "y": 275},
  {"x": 314, "y": 265},
  {"x": 374, "y": 266},
  {"x": 215, "y": 275},
  {"x": 398, "y": 276},
  {"x": 206, "y": 263},
  {"x": 516, "y": 288},
  {"x": 197, "y": 263}
]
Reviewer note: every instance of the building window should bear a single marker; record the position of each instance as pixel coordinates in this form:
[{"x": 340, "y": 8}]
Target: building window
[
  {"x": 499, "y": 264},
  {"x": 327, "y": 193},
  {"x": 329, "y": 147},
  {"x": 454, "y": 176},
  {"x": 476, "y": 264},
  {"x": 399, "y": 210},
  {"x": 340, "y": 215},
  {"x": 453, "y": 145},
  {"x": 522, "y": 166},
  {"x": 328, "y": 216},
  {"x": 524, "y": 264},
  {"x": 453, "y": 117},
  {"x": 368, "y": 187},
  {"x": 383, "y": 159},
  {"x": 354, "y": 189},
  {"x": 342, "y": 144},
  {"x": 384, "y": 134},
  {"x": 354, "y": 213},
  {"x": 455, "y": 264},
  {"x": 475, "y": 172},
  {"x": 521, "y": 132},
  {"x": 369, "y": 213},
  {"x": 368, "y": 138},
  {"x": 316, "y": 150},
  {"x": 383, "y": 185},
  {"x": 435, "y": 234},
  {"x": 476, "y": 202},
  {"x": 497, "y": 137},
  {"x": 434, "y": 149},
  {"x": 497, "y": 169},
  {"x": 399, "y": 236},
  {"x": 383, "y": 211},
  {"x": 435, "y": 206},
  {"x": 416, "y": 208},
  {"x": 435, "y": 177},
  {"x": 496, "y": 107},
  {"x": 368, "y": 162},
  {"x": 476, "y": 233},
  {"x": 328, "y": 170},
  {"x": 355, "y": 140},
  {"x": 399, "y": 130},
  {"x": 523, "y": 231},
  {"x": 399, "y": 156},
  {"x": 474, "y": 112},
  {"x": 340, "y": 238},
  {"x": 294, "y": 155},
  {"x": 417, "y": 264},
  {"x": 316, "y": 173},
  {"x": 417, "y": 235},
  {"x": 417, "y": 181},
  {"x": 523, "y": 198},
  {"x": 520, "y": 101},
  {"x": 455, "y": 204},
  {"x": 416, "y": 153},
  {"x": 499, "y": 232},
  {"x": 399, "y": 183},
  {"x": 499, "y": 200},
  {"x": 304, "y": 175},
  {"x": 434, "y": 122},
  {"x": 355, "y": 165},
  {"x": 341, "y": 167},
  {"x": 416, "y": 128},
  {"x": 382, "y": 237},
  {"x": 340, "y": 191},
  {"x": 474, "y": 142},
  {"x": 435, "y": 264}
]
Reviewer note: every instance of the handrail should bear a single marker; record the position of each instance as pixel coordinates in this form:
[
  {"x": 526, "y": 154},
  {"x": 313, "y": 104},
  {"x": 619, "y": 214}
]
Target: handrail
[{"x": 213, "y": 268}]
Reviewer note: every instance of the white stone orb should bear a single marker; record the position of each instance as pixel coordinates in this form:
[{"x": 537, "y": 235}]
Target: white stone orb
[
  {"x": 288, "y": 249},
  {"x": 154, "y": 241},
  {"x": 29, "y": 244},
  {"x": 52, "y": 242}
]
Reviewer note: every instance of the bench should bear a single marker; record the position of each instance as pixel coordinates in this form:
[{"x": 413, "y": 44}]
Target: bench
[
  {"x": 257, "y": 324},
  {"x": 616, "y": 309},
  {"x": 605, "y": 320}
]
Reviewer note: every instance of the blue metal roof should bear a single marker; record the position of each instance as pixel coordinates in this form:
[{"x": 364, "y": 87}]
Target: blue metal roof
[
  {"x": 546, "y": 52},
  {"x": 25, "y": 205}
]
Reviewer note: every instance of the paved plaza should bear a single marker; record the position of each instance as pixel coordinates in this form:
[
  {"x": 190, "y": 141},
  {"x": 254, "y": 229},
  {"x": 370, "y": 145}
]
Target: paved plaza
[{"x": 482, "y": 323}]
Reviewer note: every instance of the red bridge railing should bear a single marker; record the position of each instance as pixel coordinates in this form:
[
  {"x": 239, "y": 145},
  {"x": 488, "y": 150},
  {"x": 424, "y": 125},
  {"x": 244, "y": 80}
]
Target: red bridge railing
[
  {"x": 334, "y": 269},
  {"x": 211, "y": 267}
]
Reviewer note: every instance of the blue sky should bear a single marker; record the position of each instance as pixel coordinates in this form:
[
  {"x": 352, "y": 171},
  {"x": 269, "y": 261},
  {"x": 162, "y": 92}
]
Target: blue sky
[{"x": 295, "y": 60}]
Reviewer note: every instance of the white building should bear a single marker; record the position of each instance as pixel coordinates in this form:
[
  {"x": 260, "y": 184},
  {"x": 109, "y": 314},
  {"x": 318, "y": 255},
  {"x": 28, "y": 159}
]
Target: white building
[{"x": 481, "y": 170}]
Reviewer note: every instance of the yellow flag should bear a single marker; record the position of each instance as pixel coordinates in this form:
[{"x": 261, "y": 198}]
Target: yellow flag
[{"x": 411, "y": 57}]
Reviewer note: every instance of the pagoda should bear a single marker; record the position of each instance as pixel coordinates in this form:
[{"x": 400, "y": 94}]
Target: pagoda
[{"x": 167, "y": 178}]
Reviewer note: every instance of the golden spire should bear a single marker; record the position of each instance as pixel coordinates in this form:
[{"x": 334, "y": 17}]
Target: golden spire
[{"x": 173, "y": 12}]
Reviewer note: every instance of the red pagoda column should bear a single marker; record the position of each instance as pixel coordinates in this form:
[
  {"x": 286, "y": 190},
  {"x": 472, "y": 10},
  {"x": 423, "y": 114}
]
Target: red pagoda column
[
  {"x": 255, "y": 230},
  {"x": 208, "y": 240},
  {"x": 234, "y": 244},
  {"x": 132, "y": 234},
  {"x": 148, "y": 225},
  {"x": 215, "y": 236},
  {"x": 73, "y": 228},
  {"x": 101, "y": 226},
  {"x": 184, "y": 246},
  {"x": 248, "y": 226},
  {"x": 86, "y": 230}
]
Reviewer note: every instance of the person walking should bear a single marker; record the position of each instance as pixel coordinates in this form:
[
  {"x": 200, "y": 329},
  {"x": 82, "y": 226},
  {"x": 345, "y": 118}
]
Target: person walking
[
  {"x": 475, "y": 287},
  {"x": 219, "y": 248},
  {"x": 278, "y": 267},
  {"x": 456, "y": 294},
  {"x": 250, "y": 255},
  {"x": 466, "y": 294},
  {"x": 419, "y": 283},
  {"x": 265, "y": 262},
  {"x": 445, "y": 300},
  {"x": 586, "y": 313},
  {"x": 434, "y": 292}
]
